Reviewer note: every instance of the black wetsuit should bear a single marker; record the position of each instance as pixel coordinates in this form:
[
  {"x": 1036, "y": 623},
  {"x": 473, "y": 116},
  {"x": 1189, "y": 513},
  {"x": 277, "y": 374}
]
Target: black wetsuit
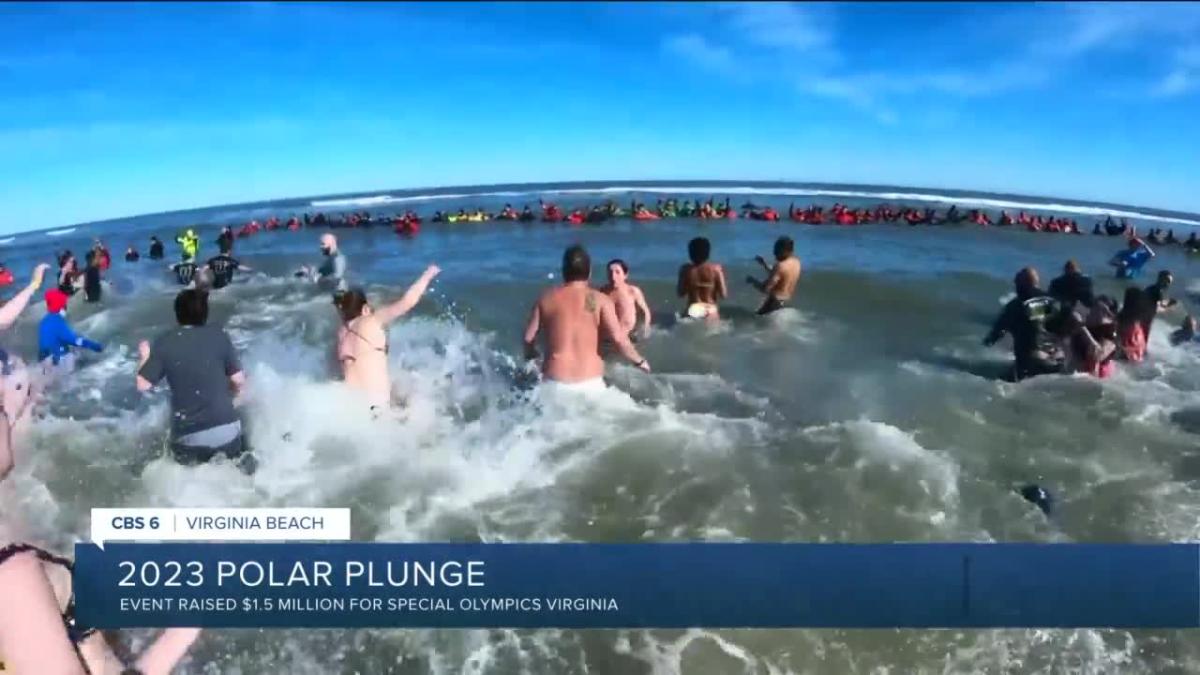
[
  {"x": 1154, "y": 295},
  {"x": 1024, "y": 318},
  {"x": 223, "y": 267},
  {"x": 185, "y": 272},
  {"x": 91, "y": 283},
  {"x": 1071, "y": 288},
  {"x": 132, "y": 256},
  {"x": 156, "y": 250}
]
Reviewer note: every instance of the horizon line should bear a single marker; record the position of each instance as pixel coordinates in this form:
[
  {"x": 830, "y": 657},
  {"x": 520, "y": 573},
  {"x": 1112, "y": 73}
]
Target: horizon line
[{"x": 645, "y": 182}]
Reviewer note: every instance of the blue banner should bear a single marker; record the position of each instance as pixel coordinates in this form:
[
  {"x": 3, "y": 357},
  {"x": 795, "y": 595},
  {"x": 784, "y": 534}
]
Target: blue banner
[{"x": 358, "y": 585}]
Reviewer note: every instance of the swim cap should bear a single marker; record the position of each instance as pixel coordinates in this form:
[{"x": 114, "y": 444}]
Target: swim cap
[{"x": 56, "y": 300}]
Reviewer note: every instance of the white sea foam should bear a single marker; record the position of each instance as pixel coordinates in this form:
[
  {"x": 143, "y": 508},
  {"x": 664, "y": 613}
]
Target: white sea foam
[
  {"x": 59, "y": 233},
  {"x": 7, "y": 240}
]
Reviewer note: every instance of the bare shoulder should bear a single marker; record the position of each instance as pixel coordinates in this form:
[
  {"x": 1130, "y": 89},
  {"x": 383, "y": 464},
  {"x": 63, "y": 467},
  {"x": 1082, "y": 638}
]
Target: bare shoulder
[
  {"x": 637, "y": 291},
  {"x": 601, "y": 299},
  {"x": 547, "y": 296}
]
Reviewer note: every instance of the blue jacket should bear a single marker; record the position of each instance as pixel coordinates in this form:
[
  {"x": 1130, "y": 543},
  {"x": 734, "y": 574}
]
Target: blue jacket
[{"x": 55, "y": 338}]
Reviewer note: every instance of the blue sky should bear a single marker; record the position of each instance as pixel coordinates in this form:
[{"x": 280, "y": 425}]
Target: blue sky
[{"x": 111, "y": 110}]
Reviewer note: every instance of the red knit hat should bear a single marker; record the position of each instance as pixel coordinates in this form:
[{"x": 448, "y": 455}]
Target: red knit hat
[{"x": 56, "y": 300}]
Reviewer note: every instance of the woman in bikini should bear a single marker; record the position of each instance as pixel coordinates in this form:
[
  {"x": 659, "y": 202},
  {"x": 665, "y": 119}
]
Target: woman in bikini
[
  {"x": 701, "y": 281},
  {"x": 362, "y": 339},
  {"x": 38, "y": 632}
]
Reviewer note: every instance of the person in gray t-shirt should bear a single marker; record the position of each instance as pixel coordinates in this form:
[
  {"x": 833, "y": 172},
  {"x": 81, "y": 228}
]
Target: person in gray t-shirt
[
  {"x": 331, "y": 274},
  {"x": 204, "y": 373}
]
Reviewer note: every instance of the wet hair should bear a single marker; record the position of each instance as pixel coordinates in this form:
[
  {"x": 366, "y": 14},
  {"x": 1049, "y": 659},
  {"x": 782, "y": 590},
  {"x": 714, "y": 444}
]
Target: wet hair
[
  {"x": 226, "y": 245},
  {"x": 1071, "y": 267},
  {"x": 1134, "y": 306},
  {"x": 576, "y": 264},
  {"x": 90, "y": 257},
  {"x": 350, "y": 303},
  {"x": 1164, "y": 275},
  {"x": 784, "y": 247},
  {"x": 620, "y": 263},
  {"x": 191, "y": 307},
  {"x": 699, "y": 249}
]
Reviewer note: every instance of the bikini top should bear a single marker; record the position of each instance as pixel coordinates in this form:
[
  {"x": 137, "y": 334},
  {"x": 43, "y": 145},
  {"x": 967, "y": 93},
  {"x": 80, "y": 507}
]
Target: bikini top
[
  {"x": 383, "y": 349},
  {"x": 74, "y": 632}
]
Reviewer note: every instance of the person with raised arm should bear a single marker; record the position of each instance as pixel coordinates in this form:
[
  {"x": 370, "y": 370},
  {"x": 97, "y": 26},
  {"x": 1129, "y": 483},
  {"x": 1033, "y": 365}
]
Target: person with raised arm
[{"x": 362, "y": 345}]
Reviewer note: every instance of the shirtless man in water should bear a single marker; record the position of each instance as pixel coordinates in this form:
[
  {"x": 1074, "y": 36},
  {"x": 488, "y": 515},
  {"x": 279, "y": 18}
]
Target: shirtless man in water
[
  {"x": 781, "y": 279},
  {"x": 627, "y": 298},
  {"x": 702, "y": 282},
  {"x": 362, "y": 347},
  {"x": 574, "y": 315}
]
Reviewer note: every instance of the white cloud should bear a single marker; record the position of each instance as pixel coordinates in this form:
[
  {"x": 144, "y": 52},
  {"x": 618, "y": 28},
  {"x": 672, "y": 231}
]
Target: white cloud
[
  {"x": 1176, "y": 83},
  {"x": 1184, "y": 77},
  {"x": 1095, "y": 26},
  {"x": 799, "y": 43},
  {"x": 700, "y": 51},
  {"x": 782, "y": 25}
]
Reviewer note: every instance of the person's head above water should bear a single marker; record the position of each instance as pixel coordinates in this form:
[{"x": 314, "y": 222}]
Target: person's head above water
[
  {"x": 1026, "y": 280},
  {"x": 191, "y": 307},
  {"x": 328, "y": 243},
  {"x": 698, "y": 250},
  {"x": 1189, "y": 324},
  {"x": 1133, "y": 306},
  {"x": 1164, "y": 280},
  {"x": 618, "y": 271},
  {"x": 1071, "y": 267},
  {"x": 352, "y": 304},
  {"x": 784, "y": 246},
  {"x": 576, "y": 264}
]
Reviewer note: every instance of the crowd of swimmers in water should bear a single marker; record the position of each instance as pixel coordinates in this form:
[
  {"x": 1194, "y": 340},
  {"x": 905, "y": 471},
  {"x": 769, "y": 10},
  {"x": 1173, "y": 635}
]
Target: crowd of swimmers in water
[
  {"x": 572, "y": 325},
  {"x": 1068, "y": 328}
]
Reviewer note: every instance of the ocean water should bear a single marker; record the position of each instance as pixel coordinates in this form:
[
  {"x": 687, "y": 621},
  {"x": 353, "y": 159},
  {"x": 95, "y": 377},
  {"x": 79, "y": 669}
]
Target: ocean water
[{"x": 861, "y": 414}]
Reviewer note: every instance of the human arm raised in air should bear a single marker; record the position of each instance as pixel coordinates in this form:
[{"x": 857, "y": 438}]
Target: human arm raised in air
[
  {"x": 13, "y": 308},
  {"x": 411, "y": 297}
]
